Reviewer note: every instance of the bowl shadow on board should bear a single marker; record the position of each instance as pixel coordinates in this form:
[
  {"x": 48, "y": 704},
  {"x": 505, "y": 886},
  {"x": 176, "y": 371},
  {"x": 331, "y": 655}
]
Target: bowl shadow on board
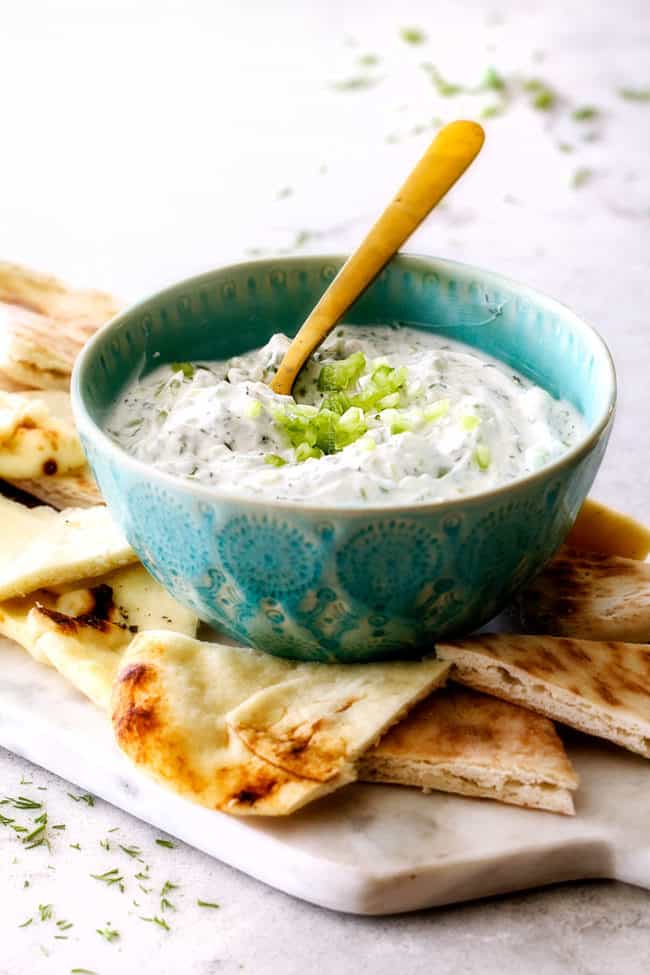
[{"x": 344, "y": 583}]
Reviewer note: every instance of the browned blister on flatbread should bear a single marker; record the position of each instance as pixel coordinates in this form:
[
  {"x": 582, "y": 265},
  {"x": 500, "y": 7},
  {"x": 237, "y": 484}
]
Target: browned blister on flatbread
[
  {"x": 44, "y": 324},
  {"x": 599, "y": 687},
  {"x": 589, "y": 596},
  {"x": 464, "y": 742}
]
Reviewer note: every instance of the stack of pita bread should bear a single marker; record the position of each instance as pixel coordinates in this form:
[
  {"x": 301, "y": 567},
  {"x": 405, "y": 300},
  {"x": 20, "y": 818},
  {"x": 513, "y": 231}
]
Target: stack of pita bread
[
  {"x": 240, "y": 731},
  {"x": 237, "y": 730},
  {"x": 43, "y": 326}
]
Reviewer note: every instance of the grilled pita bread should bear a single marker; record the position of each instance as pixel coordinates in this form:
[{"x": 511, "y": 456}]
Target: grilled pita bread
[
  {"x": 44, "y": 324},
  {"x": 37, "y": 435},
  {"x": 179, "y": 711},
  {"x": 600, "y": 688},
  {"x": 75, "y": 490},
  {"x": 42, "y": 548},
  {"x": 470, "y": 744},
  {"x": 320, "y": 721},
  {"x": 601, "y": 529},
  {"x": 83, "y": 629},
  {"x": 8, "y": 385},
  {"x": 589, "y": 596}
]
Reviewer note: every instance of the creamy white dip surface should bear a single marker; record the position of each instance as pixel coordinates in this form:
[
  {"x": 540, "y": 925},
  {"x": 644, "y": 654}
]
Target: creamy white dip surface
[{"x": 380, "y": 415}]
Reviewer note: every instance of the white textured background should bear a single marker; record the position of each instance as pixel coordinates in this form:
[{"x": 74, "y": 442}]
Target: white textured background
[{"x": 145, "y": 141}]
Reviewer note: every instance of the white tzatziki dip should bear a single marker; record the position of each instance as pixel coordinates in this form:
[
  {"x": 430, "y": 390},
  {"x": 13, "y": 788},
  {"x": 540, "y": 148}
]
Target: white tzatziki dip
[{"x": 379, "y": 415}]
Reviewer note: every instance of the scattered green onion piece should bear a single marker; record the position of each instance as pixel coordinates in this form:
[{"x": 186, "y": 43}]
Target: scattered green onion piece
[
  {"x": 469, "y": 422},
  {"x": 412, "y": 35},
  {"x": 492, "y": 80},
  {"x": 635, "y": 94},
  {"x": 584, "y": 114},
  {"x": 544, "y": 100},
  {"x": 581, "y": 177},
  {"x": 274, "y": 460}
]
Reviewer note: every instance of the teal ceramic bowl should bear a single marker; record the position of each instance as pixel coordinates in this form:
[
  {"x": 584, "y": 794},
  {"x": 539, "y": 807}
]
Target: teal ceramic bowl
[{"x": 344, "y": 583}]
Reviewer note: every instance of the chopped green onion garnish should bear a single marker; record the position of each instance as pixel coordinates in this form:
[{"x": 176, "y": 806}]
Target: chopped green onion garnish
[
  {"x": 389, "y": 402},
  {"x": 336, "y": 402},
  {"x": 437, "y": 410},
  {"x": 305, "y": 452},
  {"x": 469, "y": 422},
  {"x": 400, "y": 425},
  {"x": 482, "y": 456},
  {"x": 275, "y": 460},
  {"x": 186, "y": 368},
  {"x": 253, "y": 409},
  {"x": 341, "y": 375},
  {"x": 367, "y": 443}
]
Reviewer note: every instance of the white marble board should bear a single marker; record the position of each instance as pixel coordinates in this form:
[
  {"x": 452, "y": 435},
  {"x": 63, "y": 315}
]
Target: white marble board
[{"x": 368, "y": 849}]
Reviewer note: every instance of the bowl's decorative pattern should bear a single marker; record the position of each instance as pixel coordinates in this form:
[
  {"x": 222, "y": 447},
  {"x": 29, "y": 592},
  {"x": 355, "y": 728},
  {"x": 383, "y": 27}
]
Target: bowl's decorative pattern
[
  {"x": 330, "y": 584},
  {"x": 362, "y": 562}
]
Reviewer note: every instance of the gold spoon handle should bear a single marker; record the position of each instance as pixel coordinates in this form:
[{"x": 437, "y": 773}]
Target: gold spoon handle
[{"x": 446, "y": 159}]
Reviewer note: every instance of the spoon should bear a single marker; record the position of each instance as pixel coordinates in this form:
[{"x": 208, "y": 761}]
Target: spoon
[{"x": 453, "y": 149}]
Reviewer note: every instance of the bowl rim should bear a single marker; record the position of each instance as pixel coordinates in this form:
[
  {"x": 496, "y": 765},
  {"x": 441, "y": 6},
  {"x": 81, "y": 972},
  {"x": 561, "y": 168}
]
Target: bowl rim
[{"x": 88, "y": 427}]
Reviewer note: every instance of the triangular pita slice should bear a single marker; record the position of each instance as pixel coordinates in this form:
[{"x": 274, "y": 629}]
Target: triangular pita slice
[
  {"x": 9, "y": 385},
  {"x": 602, "y": 529},
  {"x": 84, "y": 630},
  {"x": 602, "y": 689},
  {"x": 589, "y": 596},
  {"x": 75, "y": 490},
  {"x": 38, "y": 435},
  {"x": 468, "y": 743},
  {"x": 327, "y": 717},
  {"x": 176, "y": 700},
  {"x": 44, "y": 324},
  {"x": 42, "y": 548}
]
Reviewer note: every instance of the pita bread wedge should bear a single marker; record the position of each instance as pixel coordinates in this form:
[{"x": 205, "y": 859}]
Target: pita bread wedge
[
  {"x": 601, "y": 529},
  {"x": 75, "y": 490},
  {"x": 44, "y": 324},
  {"x": 9, "y": 385},
  {"x": 37, "y": 435},
  {"x": 602, "y": 689},
  {"x": 177, "y": 701},
  {"x": 82, "y": 630},
  {"x": 470, "y": 744},
  {"x": 589, "y": 596},
  {"x": 42, "y": 547},
  {"x": 317, "y": 723}
]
